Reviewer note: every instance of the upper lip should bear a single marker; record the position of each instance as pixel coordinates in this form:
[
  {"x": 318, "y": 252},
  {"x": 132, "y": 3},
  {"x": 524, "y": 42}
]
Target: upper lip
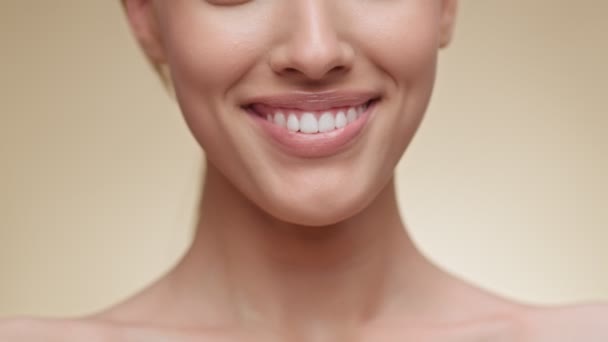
[{"x": 314, "y": 101}]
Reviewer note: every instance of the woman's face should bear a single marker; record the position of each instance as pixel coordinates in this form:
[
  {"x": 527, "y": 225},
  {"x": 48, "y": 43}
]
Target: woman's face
[{"x": 305, "y": 106}]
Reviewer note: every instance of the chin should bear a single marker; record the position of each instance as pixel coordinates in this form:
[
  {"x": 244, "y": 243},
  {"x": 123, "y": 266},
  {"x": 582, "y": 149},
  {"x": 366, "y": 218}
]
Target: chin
[
  {"x": 313, "y": 216},
  {"x": 317, "y": 207}
]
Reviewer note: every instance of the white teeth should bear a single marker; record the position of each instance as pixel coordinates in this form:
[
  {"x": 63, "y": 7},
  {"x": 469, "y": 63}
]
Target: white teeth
[
  {"x": 351, "y": 115},
  {"x": 326, "y": 122},
  {"x": 341, "y": 120},
  {"x": 279, "y": 119},
  {"x": 308, "y": 123},
  {"x": 292, "y": 123}
]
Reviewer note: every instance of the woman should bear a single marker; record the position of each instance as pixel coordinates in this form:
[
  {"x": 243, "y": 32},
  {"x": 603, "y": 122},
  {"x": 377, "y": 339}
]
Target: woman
[{"x": 303, "y": 108}]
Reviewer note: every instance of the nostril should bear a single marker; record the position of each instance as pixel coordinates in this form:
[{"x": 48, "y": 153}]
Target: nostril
[
  {"x": 310, "y": 68},
  {"x": 338, "y": 68},
  {"x": 291, "y": 70}
]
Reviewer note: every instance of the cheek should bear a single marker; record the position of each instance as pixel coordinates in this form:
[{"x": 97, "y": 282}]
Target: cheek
[
  {"x": 208, "y": 53},
  {"x": 404, "y": 46},
  {"x": 403, "y": 42},
  {"x": 211, "y": 47}
]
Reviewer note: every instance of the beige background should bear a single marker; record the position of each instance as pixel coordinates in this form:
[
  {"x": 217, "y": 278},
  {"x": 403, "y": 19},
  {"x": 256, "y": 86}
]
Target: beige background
[{"x": 504, "y": 185}]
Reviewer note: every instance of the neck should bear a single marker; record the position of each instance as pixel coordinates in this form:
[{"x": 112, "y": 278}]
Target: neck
[{"x": 259, "y": 269}]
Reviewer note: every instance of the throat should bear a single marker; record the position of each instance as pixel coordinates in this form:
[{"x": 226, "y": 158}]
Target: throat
[{"x": 272, "y": 272}]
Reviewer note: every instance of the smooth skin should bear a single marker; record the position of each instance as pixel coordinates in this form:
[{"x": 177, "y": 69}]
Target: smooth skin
[{"x": 305, "y": 249}]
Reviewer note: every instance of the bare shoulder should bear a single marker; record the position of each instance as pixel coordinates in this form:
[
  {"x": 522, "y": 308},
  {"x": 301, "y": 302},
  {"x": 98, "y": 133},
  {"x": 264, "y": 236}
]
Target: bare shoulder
[
  {"x": 91, "y": 330},
  {"x": 586, "y": 322},
  {"x": 24, "y": 329},
  {"x": 51, "y": 330},
  {"x": 77, "y": 330}
]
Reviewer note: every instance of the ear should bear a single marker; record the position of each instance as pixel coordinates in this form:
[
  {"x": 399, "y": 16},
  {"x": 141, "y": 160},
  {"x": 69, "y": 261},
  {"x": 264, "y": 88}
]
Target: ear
[
  {"x": 144, "y": 22},
  {"x": 448, "y": 19}
]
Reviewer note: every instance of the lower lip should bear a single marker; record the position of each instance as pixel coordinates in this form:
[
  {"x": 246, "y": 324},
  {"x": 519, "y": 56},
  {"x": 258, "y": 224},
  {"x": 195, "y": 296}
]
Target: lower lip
[{"x": 316, "y": 145}]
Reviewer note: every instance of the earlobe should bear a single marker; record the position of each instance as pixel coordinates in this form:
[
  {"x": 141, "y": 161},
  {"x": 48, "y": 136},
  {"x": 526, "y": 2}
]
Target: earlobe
[
  {"x": 144, "y": 23},
  {"x": 448, "y": 20}
]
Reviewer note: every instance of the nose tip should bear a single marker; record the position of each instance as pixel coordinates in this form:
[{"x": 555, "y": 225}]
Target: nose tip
[
  {"x": 313, "y": 49},
  {"x": 313, "y": 62}
]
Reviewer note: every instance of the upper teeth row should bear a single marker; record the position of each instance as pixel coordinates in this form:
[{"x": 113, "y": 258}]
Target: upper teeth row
[{"x": 311, "y": 122}]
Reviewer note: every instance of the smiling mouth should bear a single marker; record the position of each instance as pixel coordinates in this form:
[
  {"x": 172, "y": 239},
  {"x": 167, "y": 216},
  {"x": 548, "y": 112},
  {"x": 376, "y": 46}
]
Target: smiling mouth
[{"x": 311, "y": 121}]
